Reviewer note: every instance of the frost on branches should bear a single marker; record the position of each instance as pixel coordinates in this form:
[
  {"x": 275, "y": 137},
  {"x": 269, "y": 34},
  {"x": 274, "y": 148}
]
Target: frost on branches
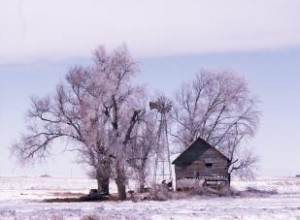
[
  {"x": 98, "y": 109},
  {"x": 218, "y": 107}
]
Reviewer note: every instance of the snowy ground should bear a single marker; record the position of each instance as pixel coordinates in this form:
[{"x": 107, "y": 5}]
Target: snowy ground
[{"x": 22, "y": 198}]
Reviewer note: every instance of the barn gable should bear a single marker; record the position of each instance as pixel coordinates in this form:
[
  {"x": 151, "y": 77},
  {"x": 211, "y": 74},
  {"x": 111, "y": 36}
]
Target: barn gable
[{"x": 194, "y": 152}]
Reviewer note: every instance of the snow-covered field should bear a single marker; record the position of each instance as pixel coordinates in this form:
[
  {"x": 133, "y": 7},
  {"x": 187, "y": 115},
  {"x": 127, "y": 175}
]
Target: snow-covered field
[{"x": 22, "y": 198}]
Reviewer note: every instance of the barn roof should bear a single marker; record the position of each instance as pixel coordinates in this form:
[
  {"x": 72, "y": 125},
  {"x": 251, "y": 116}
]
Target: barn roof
[{"x": 194, "y": 151}]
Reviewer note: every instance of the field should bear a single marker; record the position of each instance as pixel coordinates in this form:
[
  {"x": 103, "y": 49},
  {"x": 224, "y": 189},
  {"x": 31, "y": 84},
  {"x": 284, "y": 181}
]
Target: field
[{"x": 264, "y": 198}]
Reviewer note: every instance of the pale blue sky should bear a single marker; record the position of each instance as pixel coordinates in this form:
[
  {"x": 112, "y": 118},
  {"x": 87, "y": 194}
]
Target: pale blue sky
[{"x": 172, "y": 39}]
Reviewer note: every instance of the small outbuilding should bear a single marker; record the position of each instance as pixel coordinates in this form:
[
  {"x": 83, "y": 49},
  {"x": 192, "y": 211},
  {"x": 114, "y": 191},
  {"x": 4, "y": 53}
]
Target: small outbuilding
[{"x": 201, "y": 161}]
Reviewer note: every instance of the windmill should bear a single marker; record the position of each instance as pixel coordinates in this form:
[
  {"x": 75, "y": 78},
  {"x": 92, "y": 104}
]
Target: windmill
[{"x": 162, "y": 168}]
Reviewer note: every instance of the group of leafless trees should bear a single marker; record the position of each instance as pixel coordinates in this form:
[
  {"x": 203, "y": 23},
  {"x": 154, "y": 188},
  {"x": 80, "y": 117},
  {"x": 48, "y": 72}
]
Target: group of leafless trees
[{"x": 107, "y": 119}]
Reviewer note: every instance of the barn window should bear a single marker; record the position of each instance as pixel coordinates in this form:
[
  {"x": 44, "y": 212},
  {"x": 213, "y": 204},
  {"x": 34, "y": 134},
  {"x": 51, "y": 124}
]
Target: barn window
[{"x": 208, "y": 165}]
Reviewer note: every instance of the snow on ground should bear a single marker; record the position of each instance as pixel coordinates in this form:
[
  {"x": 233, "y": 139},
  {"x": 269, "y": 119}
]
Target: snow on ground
[
  {"x": 24, "y": 188},
  {"x": 22, "y": 198},
  {"x": 283, "y": 185}
]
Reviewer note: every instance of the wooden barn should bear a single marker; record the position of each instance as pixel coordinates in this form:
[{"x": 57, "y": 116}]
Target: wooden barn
[{"x": 201, "y": 161}]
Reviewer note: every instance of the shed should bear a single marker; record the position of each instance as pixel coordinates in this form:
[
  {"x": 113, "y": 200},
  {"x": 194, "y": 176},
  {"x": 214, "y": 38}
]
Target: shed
[{"x": 201, "y": 161}]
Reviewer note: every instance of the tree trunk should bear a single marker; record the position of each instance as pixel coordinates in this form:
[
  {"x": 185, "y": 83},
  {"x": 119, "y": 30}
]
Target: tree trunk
[
  {"x": 121, "y": 180},
  {"x": 121, "y": 191},
  {"x": 229, "y": 180},
  {"x": 102, "y": 177},
  {"x": 103, "y": 185},
  {"x": 141, "y": 181}
]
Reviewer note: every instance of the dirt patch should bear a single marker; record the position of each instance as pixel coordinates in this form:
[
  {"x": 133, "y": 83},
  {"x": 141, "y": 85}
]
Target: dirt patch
[
  {"x": 78, "y": 197},
  {"x": 68, "y": 194}
]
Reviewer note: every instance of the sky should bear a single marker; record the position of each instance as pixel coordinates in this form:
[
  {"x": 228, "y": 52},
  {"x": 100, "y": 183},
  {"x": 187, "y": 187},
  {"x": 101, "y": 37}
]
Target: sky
[{"x": 171, "y": 40}]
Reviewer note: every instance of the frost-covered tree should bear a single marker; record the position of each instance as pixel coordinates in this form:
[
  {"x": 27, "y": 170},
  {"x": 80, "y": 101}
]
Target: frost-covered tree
[
  {"x": 97, "y": 108},
  {"x": 141, "y": 148},
  {"x": 218, "y": 107}
]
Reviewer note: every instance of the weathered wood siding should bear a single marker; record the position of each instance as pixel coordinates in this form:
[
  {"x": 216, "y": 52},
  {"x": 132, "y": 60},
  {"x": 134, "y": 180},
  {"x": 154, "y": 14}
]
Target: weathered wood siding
[
  {"x": 218, "y": 167},
  {"x": 202, "y": 159}
]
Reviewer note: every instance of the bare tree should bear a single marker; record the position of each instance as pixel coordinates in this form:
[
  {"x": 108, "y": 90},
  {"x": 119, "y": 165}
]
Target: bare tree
[
  {"x": 97, "y": 108},
  {"x": 218, "y": 107},
  {"x": 122, "y": 108},
  {"x": 241, "y": 160},
  {"x": 141, "y": 148}
]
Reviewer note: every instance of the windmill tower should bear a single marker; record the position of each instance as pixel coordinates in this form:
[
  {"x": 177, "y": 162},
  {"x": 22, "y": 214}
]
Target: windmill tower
[{"x": 162, "y": 168}]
